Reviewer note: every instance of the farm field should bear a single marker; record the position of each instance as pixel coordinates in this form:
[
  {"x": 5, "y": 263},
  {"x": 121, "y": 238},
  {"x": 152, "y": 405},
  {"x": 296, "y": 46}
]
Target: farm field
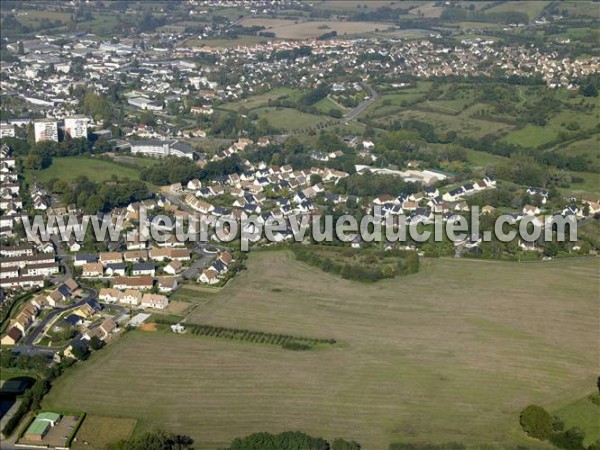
[
  {"x": 290, "y": 29},
  {"x": 227, "y": 43},
  {"x": 444, "y": 122},
  {"x": 452, "y": 353},
  {"x": 260, "y": 100},
  {"x": 290, "y": 119},
  {"x": 532, "y": 8},
  {"x": 70, "y": 167},
  {"x": 97, "y": 432},
  {"x": 531, "y": 135}
]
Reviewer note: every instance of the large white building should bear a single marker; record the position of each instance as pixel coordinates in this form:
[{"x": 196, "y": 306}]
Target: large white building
[
  {"x": 7, "y": 130},
  {"x": 76, "y": 126},
  {"x": 161, "y": 149},
  {"x": 46, "y": 130},
  {"x": 145, "y": 103}
]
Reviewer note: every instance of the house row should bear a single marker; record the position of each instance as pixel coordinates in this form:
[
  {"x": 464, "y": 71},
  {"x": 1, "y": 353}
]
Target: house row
[{"x": 134, "y": 297}]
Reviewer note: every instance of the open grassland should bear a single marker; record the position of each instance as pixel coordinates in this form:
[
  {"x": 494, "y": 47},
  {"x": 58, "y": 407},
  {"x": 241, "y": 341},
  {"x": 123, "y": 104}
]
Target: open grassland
[
  {"x": 291, "y": 29},
  {"x": 351, "y": 6},
  {"x": 33, "y": 17},
  {"x": 70, "y": 167},
  {"x": 97, "y": 432},
  {"x": 451, "y": 353},
  {"x": 532, "y": 8},
  {"x": 260, "y": 100},
  {"x": 290, "y": 119},
  {"x": 444, "y": 122},
  {"x": 583, "y": 414},
  {"x": 428, "y": 10},
  {"x": 590, "y": 185},
  {"x": 531, "y": 135},
  {"x": 227, "y": 43},
  {"x": 578, "y": 8}
]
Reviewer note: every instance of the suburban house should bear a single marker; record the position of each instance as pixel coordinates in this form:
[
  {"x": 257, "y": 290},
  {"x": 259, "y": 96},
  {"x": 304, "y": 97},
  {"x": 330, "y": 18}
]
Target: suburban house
[
  {"x": 209, "y": 276},
  {"x": 111, "y": 257},
  {"x": 144, "y": 268},
  {"x": 156, "y": 301},
  {"x": 116, "y": 269},
  {"x": 167, "y": 284},
  {"x": 92, "y": 270},
  {"x": 141, "y": 283},
  {"x": 84, "y": 258},
  {"x": 12, "y": 336},
  {"x": 173, "y": 268},
  {"x": 131, "y": 297},
  {"x": 110, "y": 295}
]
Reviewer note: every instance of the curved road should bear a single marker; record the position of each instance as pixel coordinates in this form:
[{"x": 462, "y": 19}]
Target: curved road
[
  {"x": 27, "y": 344},
  {"x": 373, "y": 96}
]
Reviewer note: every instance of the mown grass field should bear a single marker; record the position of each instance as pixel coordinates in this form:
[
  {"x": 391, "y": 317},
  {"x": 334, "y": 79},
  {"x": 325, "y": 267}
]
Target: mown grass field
[
  {"x": 97, "y": 432},
  {"x": 292, "y": 29},
  {"x": 290, "y": 119},
  {"x": 70, "y": 167},
  {"x": 260, "y": 100},
  {"x": 452, "y": 353},
  {"x": 532, "y": 8}
]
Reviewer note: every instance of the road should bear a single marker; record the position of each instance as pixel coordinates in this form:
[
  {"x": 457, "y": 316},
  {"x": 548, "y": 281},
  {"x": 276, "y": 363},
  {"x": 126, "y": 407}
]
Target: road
[
  {"x": 373, "y": 96},
  {"x": 27, "y": 346}
]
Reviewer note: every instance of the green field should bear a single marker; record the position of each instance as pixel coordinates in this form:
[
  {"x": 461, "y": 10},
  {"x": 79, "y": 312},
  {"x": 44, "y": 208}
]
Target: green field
[
  {"x": 70, "y": 167},
  {"x": 97, "y": 432},
  {"x": 227, "y": 43},
  {"x": 260, "y": 100},
  {"x": 290, "y": 119},
  {"x": 583, "y": 414},
  {"x": 532, "y": 8},
  {"x": 452, "y": 353},
  {"x": 531, "y": 135}
]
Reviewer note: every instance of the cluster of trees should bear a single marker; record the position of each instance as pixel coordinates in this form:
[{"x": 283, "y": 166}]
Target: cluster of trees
[
  {"x": 286, "y": 341},
  {"x": 10, "y": 360},
  {"x": 180, "y": 170},
  {"x": 589, "y": 86},
  {"x": 328, "y": 35},
  {"x": 32, "y": 398},
  {"x": 369, "y": 269},
  {"x": 92, "y": 197},
  {"x": 539, "y": 424},
  {"x": 155, "y": 440},
  {"x": 384, "y": 13},
  {"x": 369, "y": 185},
  {"x": 290, "y": 440},
  {"x": 39, "y": 155},
  {"x": 295, "y": 53},
  {"x": 315, "y": 95}
]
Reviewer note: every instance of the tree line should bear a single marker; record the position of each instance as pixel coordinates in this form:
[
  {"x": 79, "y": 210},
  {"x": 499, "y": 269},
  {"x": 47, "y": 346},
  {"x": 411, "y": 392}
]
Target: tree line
[
  {"x": 287, "y": 342},
  {"x": 290, "y": 440}
]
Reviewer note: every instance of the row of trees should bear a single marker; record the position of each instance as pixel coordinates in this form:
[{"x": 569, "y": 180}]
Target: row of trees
[
  {"x": 155, "y": 440},
  {"x": 290, "y": 440},
  {"x": 286, "y": 341}
]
